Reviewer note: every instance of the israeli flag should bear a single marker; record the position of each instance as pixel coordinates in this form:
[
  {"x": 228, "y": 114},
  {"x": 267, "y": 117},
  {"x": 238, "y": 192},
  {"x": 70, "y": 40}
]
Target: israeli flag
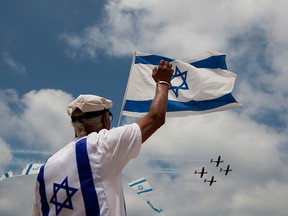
[
  {"x": 141, "y": 186},
  {"x": 199, "y": 85},
  {"x": 6, "y": 175},
  {"x": 31, "y": 169},
  {"x": 143, "y": 189}
]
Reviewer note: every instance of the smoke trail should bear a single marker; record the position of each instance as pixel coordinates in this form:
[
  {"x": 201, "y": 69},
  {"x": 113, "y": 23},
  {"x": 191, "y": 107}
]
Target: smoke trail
[{"x": 31, "y": 152}]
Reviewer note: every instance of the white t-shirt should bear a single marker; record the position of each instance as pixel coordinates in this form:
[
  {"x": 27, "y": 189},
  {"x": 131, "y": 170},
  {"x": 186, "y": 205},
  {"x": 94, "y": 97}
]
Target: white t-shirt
[{"x": 84, "y": 177}]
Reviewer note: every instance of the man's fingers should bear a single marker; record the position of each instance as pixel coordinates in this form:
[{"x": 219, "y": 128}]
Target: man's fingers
[
  {"x": 165, "y": 65},
  {"x": 154, "y": 69},
  {"x": 161, "y": 63}
]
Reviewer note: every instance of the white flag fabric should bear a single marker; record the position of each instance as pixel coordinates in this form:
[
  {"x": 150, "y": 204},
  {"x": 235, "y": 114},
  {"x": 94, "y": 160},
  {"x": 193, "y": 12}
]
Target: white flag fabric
[
  {"x": 31, "y": 169},
  {"x": 6, "y": 175},
  {"x": 141, "y": 186},
  {"x": 199, "y": 85}
]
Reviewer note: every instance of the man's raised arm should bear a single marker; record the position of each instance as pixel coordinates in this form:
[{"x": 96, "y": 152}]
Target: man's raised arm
[{"x": 155, "y": 118}]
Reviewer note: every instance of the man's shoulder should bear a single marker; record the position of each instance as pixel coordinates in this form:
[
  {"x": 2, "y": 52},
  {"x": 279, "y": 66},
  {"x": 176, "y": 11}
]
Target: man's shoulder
[
  {"x": 132, "y": 126},
  {"x": 64, "y": 150}
]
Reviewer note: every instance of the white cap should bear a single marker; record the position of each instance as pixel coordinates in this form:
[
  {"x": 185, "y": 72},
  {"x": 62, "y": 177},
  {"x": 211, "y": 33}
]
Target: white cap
[{"x": 89, "y": 103}]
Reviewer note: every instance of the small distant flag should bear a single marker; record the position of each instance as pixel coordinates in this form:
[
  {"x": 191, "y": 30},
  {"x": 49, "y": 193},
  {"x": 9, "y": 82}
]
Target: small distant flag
[
  {"x": 143, "y": 188},
  {"x": 199, "y": 85},
  {"x": 31, "y": 169},
  {"x": 6, "y": 175}
]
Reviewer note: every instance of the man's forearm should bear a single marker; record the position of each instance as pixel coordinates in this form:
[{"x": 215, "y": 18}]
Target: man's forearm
[{"x": 159, "y": 104}]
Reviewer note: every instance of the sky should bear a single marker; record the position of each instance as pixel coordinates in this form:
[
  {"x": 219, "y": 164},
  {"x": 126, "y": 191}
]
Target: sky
[{"x": 52, "y": 51}]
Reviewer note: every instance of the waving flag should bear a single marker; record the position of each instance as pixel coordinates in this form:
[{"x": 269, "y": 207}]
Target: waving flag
[
  {"x": 31, "y": 169},
  {"x": 143, "y": 189},
  {"x": 6, "y": 175},
  {"x": 141, "y": 186},
  {"x": 199, "y": 85}
]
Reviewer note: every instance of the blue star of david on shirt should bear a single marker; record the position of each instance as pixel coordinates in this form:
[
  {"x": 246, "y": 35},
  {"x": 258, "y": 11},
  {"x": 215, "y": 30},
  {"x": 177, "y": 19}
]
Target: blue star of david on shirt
[
  {"x": 183, "y": 85},
  {"x": 67, "y": 203}
]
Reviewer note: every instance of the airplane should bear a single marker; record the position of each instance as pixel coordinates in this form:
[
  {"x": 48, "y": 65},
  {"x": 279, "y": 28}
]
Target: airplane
[
  {"x": 211, "y": 180},
  {"x": 227, "y": 170},
  {"x": 202, "y": 172},
  {"x": 218, "y": 161}
]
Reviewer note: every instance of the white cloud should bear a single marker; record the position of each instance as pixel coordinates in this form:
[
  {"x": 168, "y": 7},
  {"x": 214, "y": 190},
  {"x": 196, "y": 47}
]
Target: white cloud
[
  {"x": 179, "y": 28},
  {"x": 33, "y": 122},
  {"x": 44, "y": 116},
  {"x": 13, "y": 64},
  {"x": 6, "y": 155},
  {"x": 17, "y": 191},
  {"x": 268, "y": 200}
]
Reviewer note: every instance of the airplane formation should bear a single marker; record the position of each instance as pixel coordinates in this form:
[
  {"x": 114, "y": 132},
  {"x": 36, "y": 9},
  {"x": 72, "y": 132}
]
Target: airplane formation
[{"x": 202, "y": 172}]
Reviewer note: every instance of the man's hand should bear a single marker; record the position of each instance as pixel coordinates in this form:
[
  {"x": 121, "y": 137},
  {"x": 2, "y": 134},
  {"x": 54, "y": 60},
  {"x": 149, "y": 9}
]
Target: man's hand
[{"x": 163, "y": 72}]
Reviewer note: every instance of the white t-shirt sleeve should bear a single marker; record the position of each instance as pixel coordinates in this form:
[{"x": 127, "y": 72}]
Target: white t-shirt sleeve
[{"x": 123, "y": 143}]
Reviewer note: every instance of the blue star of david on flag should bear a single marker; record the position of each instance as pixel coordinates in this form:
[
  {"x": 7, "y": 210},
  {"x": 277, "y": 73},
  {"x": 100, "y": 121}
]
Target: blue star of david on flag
[
  {"x": 183, "y": 85},
  {"x": 69, "y": 191}
]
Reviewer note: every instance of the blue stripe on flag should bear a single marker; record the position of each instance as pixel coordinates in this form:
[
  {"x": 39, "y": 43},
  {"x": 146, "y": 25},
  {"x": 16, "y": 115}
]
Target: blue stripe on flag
[
  {"x": 28, "y": 169},
  {"x": 86, "y": 179},
  {"x": 42, "y": 191},
  {"x": 174, "y": 106},
  {"x": 151, "y": 59},
  {"x": 139, "y": 182},
  {"x": 212, "y": 62},
  {"x": 145, "y": 191}
]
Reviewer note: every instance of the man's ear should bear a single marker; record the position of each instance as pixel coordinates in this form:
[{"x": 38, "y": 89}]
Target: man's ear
[{"x": 106, "y": 121}]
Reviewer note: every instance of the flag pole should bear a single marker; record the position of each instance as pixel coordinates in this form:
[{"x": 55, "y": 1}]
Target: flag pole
[{"x": 124, "y": 99}]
